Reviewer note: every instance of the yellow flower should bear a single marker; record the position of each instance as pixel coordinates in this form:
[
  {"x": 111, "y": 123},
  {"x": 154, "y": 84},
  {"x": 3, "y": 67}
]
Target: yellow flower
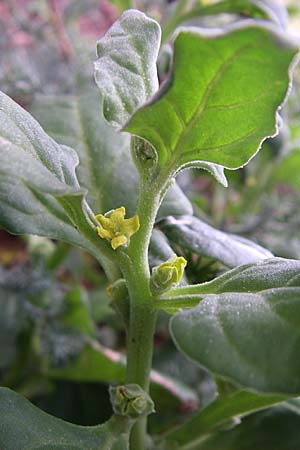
[{"x": 115, "y": 228}]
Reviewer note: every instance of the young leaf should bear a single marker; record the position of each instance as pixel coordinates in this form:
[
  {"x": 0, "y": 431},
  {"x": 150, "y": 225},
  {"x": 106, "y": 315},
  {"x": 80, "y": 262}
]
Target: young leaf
[
  {"x": 248, "y": 331},
  {"x": 105, "y": 167},
  {"x": 125, "y": 70},
  {"x": 221, "y": 107},
  {"x": 199, "y": 237},
  {"x": 25, "y": 426}
]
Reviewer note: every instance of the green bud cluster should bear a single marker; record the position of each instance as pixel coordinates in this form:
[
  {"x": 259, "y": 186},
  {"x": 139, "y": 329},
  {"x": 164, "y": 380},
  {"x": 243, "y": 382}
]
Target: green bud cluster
[{"x": 130, "y": 400}]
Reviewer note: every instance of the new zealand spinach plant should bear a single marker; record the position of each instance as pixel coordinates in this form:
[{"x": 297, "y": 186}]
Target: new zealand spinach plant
[{"x": 220, "y": 98}]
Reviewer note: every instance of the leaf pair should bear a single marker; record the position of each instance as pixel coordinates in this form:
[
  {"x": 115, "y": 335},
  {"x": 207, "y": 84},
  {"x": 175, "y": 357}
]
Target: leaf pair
[{"x": 221, "y": 99}]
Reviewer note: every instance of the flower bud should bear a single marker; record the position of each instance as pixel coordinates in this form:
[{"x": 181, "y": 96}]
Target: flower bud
[
  {"x": 130, "y": 400},
  {"x": 167, "y": 274}
]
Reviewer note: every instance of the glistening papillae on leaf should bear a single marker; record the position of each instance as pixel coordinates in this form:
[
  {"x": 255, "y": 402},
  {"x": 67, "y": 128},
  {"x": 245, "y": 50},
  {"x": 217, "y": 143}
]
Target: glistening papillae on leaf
[
  {"x": 34, "y": 170},
  {"x": 125, "y": 70},
  {"x": 219, "y": 108},
  {"x": 247, "y": 329},
  {"x": 39, "y": 190}
]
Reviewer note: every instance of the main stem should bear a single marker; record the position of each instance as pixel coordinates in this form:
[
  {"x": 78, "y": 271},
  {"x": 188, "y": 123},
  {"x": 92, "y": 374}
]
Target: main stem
[{"x": 135, "y": 268}]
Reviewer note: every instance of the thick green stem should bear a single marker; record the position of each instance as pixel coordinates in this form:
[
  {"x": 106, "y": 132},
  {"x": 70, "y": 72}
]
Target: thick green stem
[{"x": 135, "y": 268}]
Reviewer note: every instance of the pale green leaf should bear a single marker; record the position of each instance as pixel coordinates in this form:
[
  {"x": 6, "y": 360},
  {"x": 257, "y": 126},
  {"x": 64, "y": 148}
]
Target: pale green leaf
[
  {"x": 23, "y": 426},
  {"x": 248, "y": 330},
  {"x": 203, "y": 239},
  {"x": 39, "y": 190},
  {"x": 221, "y": 107},
  {"x": 125, "y": 70}
]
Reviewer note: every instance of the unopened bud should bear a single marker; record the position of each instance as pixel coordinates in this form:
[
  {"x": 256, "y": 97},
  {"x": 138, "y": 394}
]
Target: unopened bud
[{"x": 130, "y": 400}]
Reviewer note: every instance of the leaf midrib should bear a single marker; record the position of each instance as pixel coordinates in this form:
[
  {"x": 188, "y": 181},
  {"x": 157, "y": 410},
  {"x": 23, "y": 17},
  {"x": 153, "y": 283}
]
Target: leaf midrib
[{"x": 178, "y": 150}]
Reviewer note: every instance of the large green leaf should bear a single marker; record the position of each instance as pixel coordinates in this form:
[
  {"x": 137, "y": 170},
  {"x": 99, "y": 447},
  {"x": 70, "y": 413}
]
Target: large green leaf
[
  {"x": 219, "y": 414},
  {"x": 221, "y": 107},
  {"x": 25, "y": 426},
  {"x": 201, "y": 238},
  {"x": 248, "y": 330},
  {"x": 125, "y": 70},
  {"x": 39, "y": 190},
  {"x": 105, "y": 168}
]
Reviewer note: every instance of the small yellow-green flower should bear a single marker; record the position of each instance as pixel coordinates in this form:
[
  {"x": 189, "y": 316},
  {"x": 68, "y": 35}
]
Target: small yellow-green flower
[
  {"x": 117, "y": 229},
  {"x": 167, "y": 274}
]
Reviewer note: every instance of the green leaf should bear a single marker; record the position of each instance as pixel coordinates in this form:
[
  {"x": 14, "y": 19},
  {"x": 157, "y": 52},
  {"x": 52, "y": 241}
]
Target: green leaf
[
  {"x": 125, "y": 70},
  {"x": 248, "y": 331},
  {"x": 275, "y": 429},
  {"x": 287, "y": 170},
  {"x": 258, "y": 9},
  {"x": 217, "y": 415},
  {"x": 78, "y": 314},
  {"x": 218, "y": 109},
  {"x": 199, "y": 237},
  {"x": 121, "y": 4},
  {"x": 39, "y": 190},
  {"x": 106, "y": 168},
  {"x": 25, "y": 426}
]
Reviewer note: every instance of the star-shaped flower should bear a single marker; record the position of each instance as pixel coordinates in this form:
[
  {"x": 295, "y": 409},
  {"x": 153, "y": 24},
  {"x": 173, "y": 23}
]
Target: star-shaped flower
[{"x": 115, "y": 228}]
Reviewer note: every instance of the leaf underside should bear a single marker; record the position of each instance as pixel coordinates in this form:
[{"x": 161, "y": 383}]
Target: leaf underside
[
  {"x": 35, "y": 173},
  {"x": 203, "y": 239}
]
